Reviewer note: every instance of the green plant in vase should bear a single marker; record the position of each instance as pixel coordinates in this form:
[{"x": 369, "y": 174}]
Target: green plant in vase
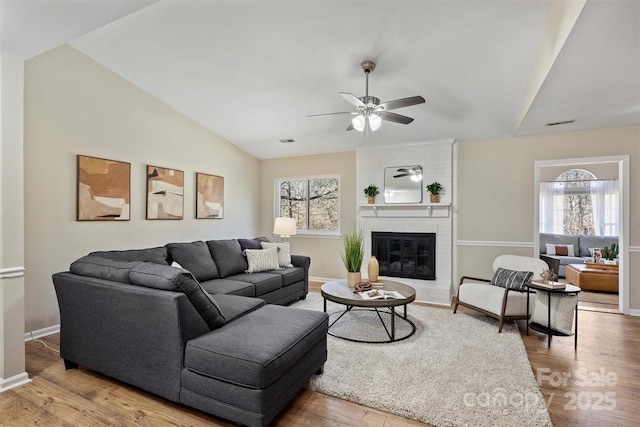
[
  {"x": 434, "y": 189},
  {"x": 610, "y": 253},
  {"x": 371, "y": 192},
  {"x": 352, "y": 253}
]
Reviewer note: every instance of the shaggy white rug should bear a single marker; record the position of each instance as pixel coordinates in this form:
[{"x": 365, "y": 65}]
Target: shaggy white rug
[{"x": 456, "y": 370}]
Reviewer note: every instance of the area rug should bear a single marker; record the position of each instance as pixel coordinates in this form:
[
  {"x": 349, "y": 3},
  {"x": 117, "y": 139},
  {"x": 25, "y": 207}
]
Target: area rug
[
  {"x": 598, "y": 297},
  {"x": 456, "y": 370}
]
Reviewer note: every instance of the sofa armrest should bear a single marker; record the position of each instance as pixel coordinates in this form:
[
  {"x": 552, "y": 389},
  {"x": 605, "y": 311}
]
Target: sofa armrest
[
  {"x": 303, "y": 262},
  {"x": 131, "y": 333}
]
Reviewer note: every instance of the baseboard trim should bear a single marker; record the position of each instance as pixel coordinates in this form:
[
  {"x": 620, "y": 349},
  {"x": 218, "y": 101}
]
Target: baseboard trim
[
  {"x": 42, "y": 332},
  {"x": 634, "y": 312},
  {"x": 13, "y": 382}
]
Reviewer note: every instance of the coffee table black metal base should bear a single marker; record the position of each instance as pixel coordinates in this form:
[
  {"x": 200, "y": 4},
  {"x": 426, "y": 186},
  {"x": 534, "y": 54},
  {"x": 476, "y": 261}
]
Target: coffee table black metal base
[
  {"x": 390, "y": 331},
  {"x": 337, "y": 291}
]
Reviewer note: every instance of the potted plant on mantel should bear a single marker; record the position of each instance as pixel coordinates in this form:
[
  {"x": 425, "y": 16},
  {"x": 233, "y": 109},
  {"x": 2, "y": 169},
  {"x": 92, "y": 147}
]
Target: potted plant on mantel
[
  {"x": 353, "y": 253},
  {"x": 371, "y": 192},
  {"x": 434, "y": 188}
]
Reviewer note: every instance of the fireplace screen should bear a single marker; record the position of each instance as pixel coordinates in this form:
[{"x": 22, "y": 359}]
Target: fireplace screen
[{"x": 408, "y": 255}]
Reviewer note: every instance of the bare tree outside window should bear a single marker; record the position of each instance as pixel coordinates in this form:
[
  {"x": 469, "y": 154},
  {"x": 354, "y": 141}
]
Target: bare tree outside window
[
  {"x": 313, "y": 203},
  {"x": 577, "y": 203}
]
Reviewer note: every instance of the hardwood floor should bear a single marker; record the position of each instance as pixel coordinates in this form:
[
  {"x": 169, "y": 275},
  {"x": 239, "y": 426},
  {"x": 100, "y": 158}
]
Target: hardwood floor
[{"x": 601, "y": 388}]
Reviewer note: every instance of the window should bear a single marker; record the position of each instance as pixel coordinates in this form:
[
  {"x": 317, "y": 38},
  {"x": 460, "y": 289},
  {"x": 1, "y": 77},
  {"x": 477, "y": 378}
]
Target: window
[
  {"x": 579, "y": 203},
  {"x": 314, "y": 202}
]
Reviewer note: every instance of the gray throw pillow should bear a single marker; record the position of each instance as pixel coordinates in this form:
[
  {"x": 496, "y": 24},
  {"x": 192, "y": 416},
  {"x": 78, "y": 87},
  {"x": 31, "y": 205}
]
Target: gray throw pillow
[
  {"x": 179, "y": 280},
  {"x": 103, "y": 268},
  {"x": 196, "y": 258},
  {"x": 511, "y": 279},
  {"x": 227, "y": 255}
]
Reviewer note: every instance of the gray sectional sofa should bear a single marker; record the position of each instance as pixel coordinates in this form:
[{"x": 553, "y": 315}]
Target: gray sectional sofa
[
  {"x": 202, "y": 332},
  {"x": 581, "y": 245}
]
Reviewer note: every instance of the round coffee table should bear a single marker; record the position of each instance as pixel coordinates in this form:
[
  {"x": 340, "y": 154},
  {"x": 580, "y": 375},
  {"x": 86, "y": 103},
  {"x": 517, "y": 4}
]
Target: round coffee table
[{"x": 338, "y": 292}]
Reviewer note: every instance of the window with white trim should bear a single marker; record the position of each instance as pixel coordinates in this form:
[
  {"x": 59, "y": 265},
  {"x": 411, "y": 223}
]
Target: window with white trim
[{"x": 314, "y": 202}]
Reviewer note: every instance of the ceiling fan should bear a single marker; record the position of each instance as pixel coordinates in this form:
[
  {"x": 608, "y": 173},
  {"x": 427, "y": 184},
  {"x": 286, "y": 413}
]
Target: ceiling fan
[{"x": 369, "y": 110}]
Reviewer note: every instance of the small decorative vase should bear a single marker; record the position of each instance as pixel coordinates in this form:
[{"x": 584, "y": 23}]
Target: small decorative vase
[
  {"x": 434, "y": 198},
  {"x": 373, "y": 269},
  {"x": 353, "y": 279},
  {"x": 371, "y": 200}
]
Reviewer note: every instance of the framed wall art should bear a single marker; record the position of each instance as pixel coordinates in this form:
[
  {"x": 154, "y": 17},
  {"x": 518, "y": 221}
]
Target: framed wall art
[
  {"x": 209, "y": 196},
  {"x": 104, "y": 189},
  {"x": 165, "y": 193}
]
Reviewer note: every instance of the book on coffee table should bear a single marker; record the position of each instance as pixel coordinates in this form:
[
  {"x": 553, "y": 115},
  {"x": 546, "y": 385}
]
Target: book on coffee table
[
  {"x": 552, "y": 285},
  {"x": 381, "y": 294}
]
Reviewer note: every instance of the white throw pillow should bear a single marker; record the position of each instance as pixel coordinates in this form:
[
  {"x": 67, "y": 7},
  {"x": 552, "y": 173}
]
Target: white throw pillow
[
  {"x": 262, "y": 259},
  {"x": 561, "y": 250},
  {"x": 284, "y": 253}
]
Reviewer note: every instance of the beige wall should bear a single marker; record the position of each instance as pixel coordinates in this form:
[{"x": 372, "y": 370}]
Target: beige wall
[
  {"x": 75, "y": 106},
  {"x": 324, "y": 251},
  {"x": 495, "y": 206}
]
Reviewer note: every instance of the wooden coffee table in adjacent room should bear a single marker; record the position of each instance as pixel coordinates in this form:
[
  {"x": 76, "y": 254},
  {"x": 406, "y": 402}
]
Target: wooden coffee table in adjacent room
[{"x": 338, "y": 292}]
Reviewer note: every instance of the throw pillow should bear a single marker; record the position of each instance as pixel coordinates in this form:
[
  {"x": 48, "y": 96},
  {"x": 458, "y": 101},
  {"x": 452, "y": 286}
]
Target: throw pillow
[
  {"x": 174, "y": 279},
  {"x": 562, "y": 311},
  {"x": 511, "y": 279},
  {"x": 561, "y": 250},
  {"x": 262, "y": 260},
  {"x": 284, "y": 254}
]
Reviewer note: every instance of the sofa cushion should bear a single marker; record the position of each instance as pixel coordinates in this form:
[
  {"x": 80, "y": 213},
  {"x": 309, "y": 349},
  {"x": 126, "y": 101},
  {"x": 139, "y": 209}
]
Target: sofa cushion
[
  {"x": 235, "y": 306},
  {"x": 196, "y": 258},
  {"x": 263, "y": 282},
  {"x": 511, "y": 279},
  {"x": 178, "y": 280},
  {"x": 284, "y": 253},
  {"x": 158, "y": 255},
  {"x": 261, "y": 259},
  {"x": 257, "y": 349},
  {"x": 254, "y": 243},
  {"x": 228, "y": 286},
  {"x": 228, "y": 257},
  {"x": 289, "y": 275},
  {"x": 103, "y": 268},
  {"x": 587, "y": 242}
]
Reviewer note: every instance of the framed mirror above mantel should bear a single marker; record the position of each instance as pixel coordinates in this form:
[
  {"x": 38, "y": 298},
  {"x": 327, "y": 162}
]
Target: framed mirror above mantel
[{"x": 403, "y": 184}]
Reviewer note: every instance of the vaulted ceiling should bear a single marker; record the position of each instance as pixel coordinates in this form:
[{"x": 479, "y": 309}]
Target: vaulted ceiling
[{"x": 252, "y": 71}]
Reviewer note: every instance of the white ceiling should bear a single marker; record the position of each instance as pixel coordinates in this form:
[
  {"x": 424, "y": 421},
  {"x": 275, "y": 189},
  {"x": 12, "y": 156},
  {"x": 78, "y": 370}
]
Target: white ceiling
[{"x": 251, "y": 71}]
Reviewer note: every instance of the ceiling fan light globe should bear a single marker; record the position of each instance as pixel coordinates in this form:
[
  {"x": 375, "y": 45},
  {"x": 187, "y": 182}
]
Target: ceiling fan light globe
[
  {"x": 375, "y": 122},
  {"x": 358, "y": 122}
]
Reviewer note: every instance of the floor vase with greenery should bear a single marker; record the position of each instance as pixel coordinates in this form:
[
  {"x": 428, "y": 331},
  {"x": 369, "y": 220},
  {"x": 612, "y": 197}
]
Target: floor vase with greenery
[{"x": 353, "y": 253}]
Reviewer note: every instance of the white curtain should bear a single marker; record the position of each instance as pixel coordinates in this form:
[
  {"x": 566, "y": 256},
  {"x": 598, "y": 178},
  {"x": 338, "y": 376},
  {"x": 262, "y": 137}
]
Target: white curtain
[
  {"x": 551, "y": 199},
  {"x": 604, "y": 199}
]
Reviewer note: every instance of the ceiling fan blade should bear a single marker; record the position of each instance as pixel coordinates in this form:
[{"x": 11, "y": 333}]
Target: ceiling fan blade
[
  {"x": 329, "y": 114},
  {"x": 393, "y": 117},
  {"x": 352, "y": 99},
  {"x": 401, "y": 103}
]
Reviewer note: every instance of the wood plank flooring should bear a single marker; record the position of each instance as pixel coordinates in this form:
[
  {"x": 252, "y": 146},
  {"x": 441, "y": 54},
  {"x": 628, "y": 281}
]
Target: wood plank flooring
[{"x": 601, "y": 389}]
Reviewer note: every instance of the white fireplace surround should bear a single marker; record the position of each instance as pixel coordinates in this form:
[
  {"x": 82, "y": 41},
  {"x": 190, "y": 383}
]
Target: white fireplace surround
[{"x": 436, "y": 159}]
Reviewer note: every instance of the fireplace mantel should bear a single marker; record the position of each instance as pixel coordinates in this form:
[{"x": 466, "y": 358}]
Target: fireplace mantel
[{"x": 406, "y": 210}]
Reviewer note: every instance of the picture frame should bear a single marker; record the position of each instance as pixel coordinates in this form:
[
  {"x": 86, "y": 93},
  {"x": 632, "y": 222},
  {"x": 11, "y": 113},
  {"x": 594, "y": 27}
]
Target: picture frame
[
  {"x": 103, "y": 189},
  {"x": 209, "y": 196},
  {"x": 165, "y": 193}
]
